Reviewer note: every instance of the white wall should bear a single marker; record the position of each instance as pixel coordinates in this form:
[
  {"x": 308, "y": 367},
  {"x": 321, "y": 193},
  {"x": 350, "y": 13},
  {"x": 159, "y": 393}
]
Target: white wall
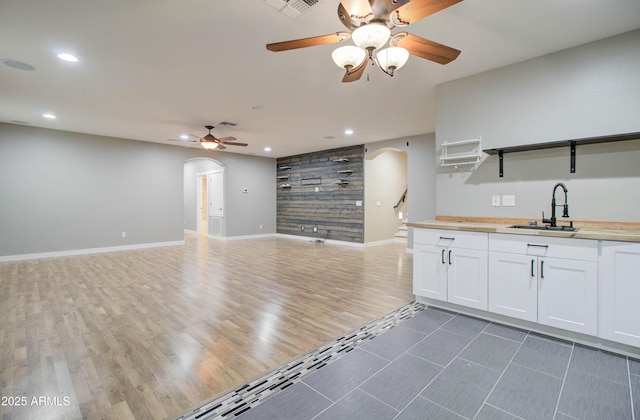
[
  {"x": 63, "y": 191},
  {"x": 385, "y": 182},
  {"x": 586, "y": 91}
]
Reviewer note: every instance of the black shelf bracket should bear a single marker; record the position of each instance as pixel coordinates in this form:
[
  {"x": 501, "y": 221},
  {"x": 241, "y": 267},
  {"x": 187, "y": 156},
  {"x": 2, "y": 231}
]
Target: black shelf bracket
[
  {"x": 501, "y": 162},
  {"x": 573, "y": 157}
]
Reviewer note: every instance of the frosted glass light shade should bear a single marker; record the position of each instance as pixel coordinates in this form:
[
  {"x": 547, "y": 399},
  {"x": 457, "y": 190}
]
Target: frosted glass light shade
[
  {"x": 392, "y": 58},
  {"x": 373, "y": 35},
  {"x": 209, "y": 145},
  {"x": 348, "y": 55}
]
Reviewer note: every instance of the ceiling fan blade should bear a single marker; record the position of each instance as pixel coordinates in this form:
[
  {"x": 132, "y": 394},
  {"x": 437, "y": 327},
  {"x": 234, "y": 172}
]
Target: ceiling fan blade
[
  {"x": 233, "y": 143},
  {"x": 358, "y": 9},
  {"x": 355, "y": 73},
  {"x": 419, "y": 9},
  {"x": 220, "y": 147},
  {"x": 308, "y": 42},
  {"x": 421, "y": 47}
]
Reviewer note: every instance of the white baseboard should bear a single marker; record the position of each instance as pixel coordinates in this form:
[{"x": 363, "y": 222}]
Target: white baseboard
[
  {"x": 320, "y": 240},
  {"x": 237, "y": 238},
  {"x": 383, "y": 242},
  {"x": 55, "y": 254}
]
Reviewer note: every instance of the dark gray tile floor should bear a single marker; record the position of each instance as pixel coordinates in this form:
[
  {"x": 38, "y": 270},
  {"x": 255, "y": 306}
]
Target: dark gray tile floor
[{"x": 441, "y": 365}]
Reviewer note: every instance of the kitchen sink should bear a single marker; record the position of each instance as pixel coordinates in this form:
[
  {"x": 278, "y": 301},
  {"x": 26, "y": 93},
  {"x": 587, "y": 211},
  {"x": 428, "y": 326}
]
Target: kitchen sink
[{"x": 542, "y": 227}]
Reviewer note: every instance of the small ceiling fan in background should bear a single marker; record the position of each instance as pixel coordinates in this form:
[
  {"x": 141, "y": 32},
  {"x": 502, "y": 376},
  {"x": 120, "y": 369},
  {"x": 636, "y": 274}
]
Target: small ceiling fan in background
[
  {"x": 210, "y": 142},
  {"x": 371, "y": 23}
]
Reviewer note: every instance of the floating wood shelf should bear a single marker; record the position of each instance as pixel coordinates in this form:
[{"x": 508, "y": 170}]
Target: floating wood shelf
[
  {"x": 341, "y": 160},
  {"x": 346, "y": 172},
  {"x": 283, "y": 177},
  {"x": 284, "y": 168},
  {"x": 342, "y": 182},
  {"x": 285, "y": 186},
  {"x": 500, "y": 151}
]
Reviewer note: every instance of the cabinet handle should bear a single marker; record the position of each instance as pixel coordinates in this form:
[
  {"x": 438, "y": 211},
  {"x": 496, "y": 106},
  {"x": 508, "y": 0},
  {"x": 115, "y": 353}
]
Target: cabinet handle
[
  {"x": 444, "y": 237},
  {"x": 450, "y": 258},
  {"x": 542, "y": 269},
  {"x": 532, "y": 266},
  {"x": 538, "y": 245},
  {"x": 443, "y": 256}
]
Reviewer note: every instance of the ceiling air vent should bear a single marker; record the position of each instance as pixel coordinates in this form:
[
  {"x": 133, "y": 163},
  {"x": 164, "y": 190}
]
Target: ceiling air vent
[{"x": 292, "y": 8}]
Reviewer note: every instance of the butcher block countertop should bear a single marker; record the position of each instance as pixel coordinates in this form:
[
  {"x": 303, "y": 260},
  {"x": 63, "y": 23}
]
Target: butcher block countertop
[{"x": 619, "y": 231}]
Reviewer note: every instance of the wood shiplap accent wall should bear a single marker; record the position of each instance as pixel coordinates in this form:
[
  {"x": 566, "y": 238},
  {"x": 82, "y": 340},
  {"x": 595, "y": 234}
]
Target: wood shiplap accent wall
[{"x": 332, "y": 207}]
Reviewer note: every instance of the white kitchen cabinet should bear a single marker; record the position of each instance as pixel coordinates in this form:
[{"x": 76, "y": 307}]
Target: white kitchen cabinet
[
  {"x": 552, "y": 281},
  {"x": 451, "y": 266},
  {"x": 513, "y": 290},
  {"x": 619, "y": 292}
]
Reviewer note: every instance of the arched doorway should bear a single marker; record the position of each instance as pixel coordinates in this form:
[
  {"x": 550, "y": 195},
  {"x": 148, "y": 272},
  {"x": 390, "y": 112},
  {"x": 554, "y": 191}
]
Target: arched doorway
[
  {"x": 204, "y": 196},
  {"x": 385, "y": 195}
]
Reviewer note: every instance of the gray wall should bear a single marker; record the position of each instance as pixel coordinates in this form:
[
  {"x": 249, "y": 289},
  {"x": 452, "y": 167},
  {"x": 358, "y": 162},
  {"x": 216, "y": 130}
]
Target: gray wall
[
  {"x": 586, "y": 91},
  {"x": 66, "y": 191}
]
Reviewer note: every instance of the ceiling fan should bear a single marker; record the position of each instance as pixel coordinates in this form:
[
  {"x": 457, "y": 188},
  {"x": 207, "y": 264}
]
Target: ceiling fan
[
  {"x": 211, "y": 142},
  {"x": 371, "y": 22}
]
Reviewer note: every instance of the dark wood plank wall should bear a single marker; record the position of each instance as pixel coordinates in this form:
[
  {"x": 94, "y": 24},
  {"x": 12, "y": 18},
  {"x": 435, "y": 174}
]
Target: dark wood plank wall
[{"x": 332, "y": 207}]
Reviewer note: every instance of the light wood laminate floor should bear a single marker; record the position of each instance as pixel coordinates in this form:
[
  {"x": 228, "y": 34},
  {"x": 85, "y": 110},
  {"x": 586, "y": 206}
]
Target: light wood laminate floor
[{"x": 152, "y": 333}]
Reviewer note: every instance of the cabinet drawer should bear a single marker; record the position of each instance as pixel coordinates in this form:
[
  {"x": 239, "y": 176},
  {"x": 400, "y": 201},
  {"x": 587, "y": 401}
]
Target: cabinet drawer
[
  {"x": 452, "y": 238},
  {"x": 543, "y": 246}
]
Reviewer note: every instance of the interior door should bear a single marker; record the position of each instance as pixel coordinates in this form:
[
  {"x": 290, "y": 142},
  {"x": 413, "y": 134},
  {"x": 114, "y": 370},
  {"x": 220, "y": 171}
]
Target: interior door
[{"x": 216, "y": 194}]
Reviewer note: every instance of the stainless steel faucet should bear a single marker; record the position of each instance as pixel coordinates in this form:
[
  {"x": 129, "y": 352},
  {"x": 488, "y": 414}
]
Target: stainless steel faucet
[{"x": 565, "y": 206}]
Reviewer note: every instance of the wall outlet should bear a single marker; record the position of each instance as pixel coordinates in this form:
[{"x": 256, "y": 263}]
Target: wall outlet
[
  {"x": 509, "y": 200},
  {"x": 317, "y": 189},
  {"x": 260, "y": 226},
  {"x": 124, "y": 234},
  {"x": 315, "y": 229},
  {"x": 495, "y": 201},
  {"x": 302, "y": 228}
]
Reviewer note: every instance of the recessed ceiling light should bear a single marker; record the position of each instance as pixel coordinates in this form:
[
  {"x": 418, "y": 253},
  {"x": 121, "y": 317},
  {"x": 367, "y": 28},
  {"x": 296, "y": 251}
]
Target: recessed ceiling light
[
  {"x": 68, "y": 57},
  {"x": 49, "y": 116},
  {"x": 267, "y": 149},
  {"x": 348, "y": 131},
  {"x": 18, "y": 65},
  {"x": 184, "y": 136}
]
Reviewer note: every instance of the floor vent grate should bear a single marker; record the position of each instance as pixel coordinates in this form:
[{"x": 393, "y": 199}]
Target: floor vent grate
[{"x": 249, "y": 395}]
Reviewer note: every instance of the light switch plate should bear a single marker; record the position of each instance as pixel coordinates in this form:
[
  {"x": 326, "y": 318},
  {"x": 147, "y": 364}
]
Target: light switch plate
[
  {"x": 495, "y": 201},
  {"x": 509, "y": 200}
]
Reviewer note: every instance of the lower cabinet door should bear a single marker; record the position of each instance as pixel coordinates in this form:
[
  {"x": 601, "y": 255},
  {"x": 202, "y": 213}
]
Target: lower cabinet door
[
  {"x": 430, "y": 271},
  {"x": 467, "y": 277},
  {"x": 619, "y": 293},
  {"x": 568, "y": 294},
  {"x": 513, "y": 285}
]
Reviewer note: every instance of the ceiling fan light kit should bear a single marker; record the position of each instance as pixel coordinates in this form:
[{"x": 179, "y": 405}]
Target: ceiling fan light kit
[
  {"x": 209, "y": 145},
  {"x": 371, "y": 36},
  {"x": 348, "y": 57},
  {"x": 391, "y": 59},
  {"x": 371, "y": 23}
]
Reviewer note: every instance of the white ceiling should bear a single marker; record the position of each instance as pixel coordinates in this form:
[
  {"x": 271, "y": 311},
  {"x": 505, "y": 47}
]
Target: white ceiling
[{"x": 154, "y": 69}]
